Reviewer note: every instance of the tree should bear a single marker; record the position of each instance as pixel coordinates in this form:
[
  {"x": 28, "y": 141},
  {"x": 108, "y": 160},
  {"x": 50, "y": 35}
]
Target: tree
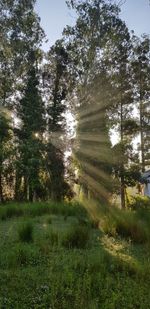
[
  {"x": 102, "y": 44},
  {"x": 31, "y": 113},
  {"x": 20, "y": 32},
  {"x": 93, "y": 148},
  {"x": 56, "y": 84},
  {"x": 5, "y": 137},
  {"x": 141, "y": 75}
]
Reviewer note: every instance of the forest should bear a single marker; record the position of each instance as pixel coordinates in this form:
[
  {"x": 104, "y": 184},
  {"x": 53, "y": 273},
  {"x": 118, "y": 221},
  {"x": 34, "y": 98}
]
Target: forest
[{"x": 74, "y": 149}]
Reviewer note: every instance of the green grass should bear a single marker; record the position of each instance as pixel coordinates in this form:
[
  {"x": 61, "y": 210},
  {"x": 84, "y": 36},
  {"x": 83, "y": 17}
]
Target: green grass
[
  {"x": 76, "y": 237},
  {"x": 11, "y": 210},
  {"x": 78, "y": 262},
  {"x": 25, "y": 231}
]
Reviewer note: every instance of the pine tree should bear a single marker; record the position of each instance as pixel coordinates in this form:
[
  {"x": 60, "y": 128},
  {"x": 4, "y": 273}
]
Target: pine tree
[
  {"x": 31, "y": 113},
  {"x": 55, "y": 82}
]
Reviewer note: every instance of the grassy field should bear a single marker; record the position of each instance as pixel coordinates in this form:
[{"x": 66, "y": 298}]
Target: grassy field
[{"x": 57, "y": 256}]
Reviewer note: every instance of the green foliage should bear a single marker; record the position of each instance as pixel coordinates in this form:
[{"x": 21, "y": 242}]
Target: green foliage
[
  {"x": 140, "y": 202},
  {"x": 25, "y": 232}
]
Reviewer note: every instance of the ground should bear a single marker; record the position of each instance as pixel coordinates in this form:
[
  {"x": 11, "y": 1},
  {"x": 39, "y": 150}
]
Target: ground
[{"x": 44, "y": 272}]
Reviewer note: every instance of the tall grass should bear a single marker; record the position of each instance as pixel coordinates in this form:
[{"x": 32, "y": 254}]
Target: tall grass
[
  {"x": 134, "y": 225},
  {"x": 77, "y": 237},
  {"x": 25, "y": 231},
  {"x": 37, "y": 209}
]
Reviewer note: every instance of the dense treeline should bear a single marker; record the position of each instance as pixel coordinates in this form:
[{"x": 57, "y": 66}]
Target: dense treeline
[{"x": 100, "y": 73}]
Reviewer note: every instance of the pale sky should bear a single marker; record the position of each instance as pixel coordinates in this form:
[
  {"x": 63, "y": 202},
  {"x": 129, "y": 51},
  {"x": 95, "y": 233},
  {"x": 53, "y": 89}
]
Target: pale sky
[{"x": 55, "y": 16}]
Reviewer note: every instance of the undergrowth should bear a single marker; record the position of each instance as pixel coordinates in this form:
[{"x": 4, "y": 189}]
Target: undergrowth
[{"x": 49, "y": 261}]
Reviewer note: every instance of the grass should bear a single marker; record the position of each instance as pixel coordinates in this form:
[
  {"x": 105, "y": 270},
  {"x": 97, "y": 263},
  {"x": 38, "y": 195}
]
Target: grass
[
  {"x": 8, "y": 211},
  {"x": 79, "y": 263},
  {"x": 76, "y": 237},
  {"x": 25, "y": 231},
  {"x": 131, "y": 225}
]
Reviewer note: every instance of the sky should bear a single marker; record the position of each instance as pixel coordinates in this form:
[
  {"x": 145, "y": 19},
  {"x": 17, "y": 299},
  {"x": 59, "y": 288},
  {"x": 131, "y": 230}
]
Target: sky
[{"x": 55, "y": 16}]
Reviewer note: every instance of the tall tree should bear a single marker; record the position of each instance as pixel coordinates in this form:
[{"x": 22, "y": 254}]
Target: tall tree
[
  {"x": 117, "y": 57},
  {"x": 20, "y": 32},
  {"x": 56, "y": 83},
  {"x": 31, "y": 113},
  {"x": 5, "y": 150},
  {"x": 101, "y": 42},
  {"x": 141, "y": 76}
]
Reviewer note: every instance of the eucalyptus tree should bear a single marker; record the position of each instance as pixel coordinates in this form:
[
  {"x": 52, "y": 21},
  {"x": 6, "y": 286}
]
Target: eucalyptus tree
[
  {"x": 100, "y": 46},
  {"x": 141, "y": 78},
  {"x": 20, "y": 32},
  {"x": 117, "y": 57},
  {"x": 5, "y": 149}
]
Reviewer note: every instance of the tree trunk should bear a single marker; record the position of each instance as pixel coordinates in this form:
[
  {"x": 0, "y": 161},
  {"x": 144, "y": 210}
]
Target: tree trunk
[
  {"x": 142, "y": 135},
  {"x": 17, "y": 187},
  {"x": 141, "y": 123},
  {"x": 1, "y": 189},
  {"x": 123, "y": 203},
  {"x": 30, "y": 194},
  {"x": 25, "y": 191}
]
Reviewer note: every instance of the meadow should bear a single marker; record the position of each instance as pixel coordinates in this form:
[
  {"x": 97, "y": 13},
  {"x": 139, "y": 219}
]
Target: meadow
[{"x": 63, "y": 256}]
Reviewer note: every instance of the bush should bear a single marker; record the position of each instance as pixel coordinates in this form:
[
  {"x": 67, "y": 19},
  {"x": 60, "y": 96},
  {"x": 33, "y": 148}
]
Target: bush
[
  {"x": 76, "y": 237},
  {"x": 25, "y": 232},
  {"x": 140, "y": 202}
]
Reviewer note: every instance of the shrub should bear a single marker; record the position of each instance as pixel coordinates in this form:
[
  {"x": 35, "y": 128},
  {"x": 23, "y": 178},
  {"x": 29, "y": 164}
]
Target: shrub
[
  {"x": 25, "y": 232},
  {"x": 76, "y": 237},
  {"x": 140, "y": 202}
]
